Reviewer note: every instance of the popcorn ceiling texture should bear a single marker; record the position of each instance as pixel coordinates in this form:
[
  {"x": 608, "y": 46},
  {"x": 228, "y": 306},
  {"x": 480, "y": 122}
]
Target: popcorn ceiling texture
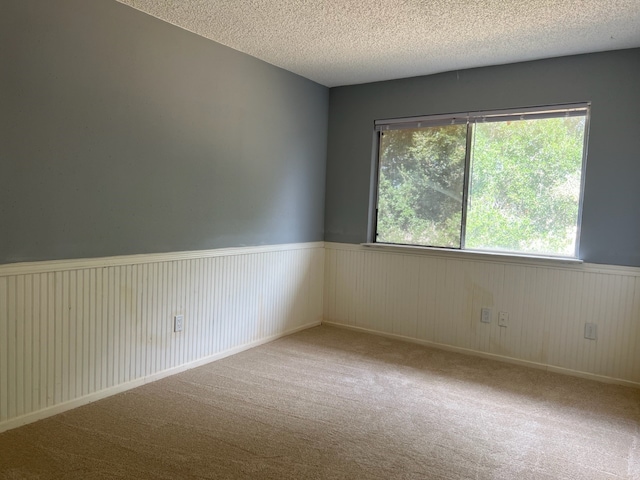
[{"x": 344, "y": 42}]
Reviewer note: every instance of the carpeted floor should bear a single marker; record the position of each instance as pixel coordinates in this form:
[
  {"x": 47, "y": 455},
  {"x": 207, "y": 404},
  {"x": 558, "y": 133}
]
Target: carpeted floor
[{"x": 329, "y": 403}]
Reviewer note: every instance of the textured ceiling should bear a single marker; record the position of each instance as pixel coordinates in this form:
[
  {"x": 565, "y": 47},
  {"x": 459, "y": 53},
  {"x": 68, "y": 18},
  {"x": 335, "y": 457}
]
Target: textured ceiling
[{"x": 344, "y": 42}]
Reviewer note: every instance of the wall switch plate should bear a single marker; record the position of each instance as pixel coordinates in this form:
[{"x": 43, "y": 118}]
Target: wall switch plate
[
  {"x": 485, "y": 315},
  {"x": 503, "y": 319},
  {"x": 590, "y": 331},
  {"x": 178, "y": 323}
]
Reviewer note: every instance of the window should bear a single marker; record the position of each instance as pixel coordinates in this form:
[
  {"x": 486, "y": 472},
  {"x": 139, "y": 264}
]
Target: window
[{"x": 505, "y": 181}]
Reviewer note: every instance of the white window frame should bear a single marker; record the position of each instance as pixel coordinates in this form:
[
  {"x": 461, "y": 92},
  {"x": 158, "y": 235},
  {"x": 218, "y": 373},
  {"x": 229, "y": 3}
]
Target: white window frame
[{"x": 468, "y": 118}]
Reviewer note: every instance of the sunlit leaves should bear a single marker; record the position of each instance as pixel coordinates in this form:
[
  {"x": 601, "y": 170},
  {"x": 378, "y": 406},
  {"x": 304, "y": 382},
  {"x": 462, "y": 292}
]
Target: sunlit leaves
[
  {"x": 525, "y": 185},
  {"x": 420, "y": 185}
]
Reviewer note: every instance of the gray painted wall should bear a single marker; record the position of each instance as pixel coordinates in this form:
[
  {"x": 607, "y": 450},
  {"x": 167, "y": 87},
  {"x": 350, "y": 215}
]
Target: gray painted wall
[
  {"x": 611, "y": 216},
  {"x": 122, "y": 134}
]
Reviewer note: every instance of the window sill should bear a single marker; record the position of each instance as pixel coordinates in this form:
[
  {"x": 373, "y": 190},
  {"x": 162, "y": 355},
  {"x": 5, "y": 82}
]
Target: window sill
[{"x": 476, "y": 254}]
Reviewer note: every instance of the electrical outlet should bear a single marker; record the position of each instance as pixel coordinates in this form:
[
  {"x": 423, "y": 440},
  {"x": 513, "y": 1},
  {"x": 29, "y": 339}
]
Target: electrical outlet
[
  {"x": 178, "y": 323},
  {"x": 590, "y": 331},
  {"x": 485, "y": 315},
  {"x": 503, "y": 319}
]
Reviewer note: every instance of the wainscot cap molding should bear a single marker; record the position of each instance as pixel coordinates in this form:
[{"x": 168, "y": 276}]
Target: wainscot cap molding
[{"x": 25, "y": 268}]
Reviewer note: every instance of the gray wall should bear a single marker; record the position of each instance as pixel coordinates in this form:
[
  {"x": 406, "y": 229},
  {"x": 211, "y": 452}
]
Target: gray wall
[
  {"x": 122, "y": 134},
  {"x": 611, "y": 216}
]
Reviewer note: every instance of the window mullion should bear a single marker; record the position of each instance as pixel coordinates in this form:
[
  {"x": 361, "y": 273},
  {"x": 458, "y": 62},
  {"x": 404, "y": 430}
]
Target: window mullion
[{"x": 465, "y": 190}]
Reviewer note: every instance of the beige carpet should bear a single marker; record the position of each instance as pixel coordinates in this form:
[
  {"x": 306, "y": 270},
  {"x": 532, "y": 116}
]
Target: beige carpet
[{"x": 331, "y": 403}]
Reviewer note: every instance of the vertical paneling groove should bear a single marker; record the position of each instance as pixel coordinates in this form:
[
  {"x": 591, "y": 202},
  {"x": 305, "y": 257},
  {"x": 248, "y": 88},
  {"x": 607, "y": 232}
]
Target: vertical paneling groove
[
  {"x": 50, "y": 321},
  {"x": 207, "y": 339},
  {"x": 67, "y": 334},
  {"x": 72, "y": 295},
  {"x": 11, "y": 341},
  {"x": 4, "y": 350},
  {"x": 150, "y": 317},
  {"x": 631, "y": 330},
  {"x": 438, "y": 300},
  {"x": 91, "y": 329},
  {"x": 138, "y": 344},
  {"x": 109, "y": 321},
  {"x": 30, "y": 391},
  {"x": 20, "y": 350},
  {"x": 635, "y": 361},
  {"x": 163, "y": 300},
  {"x": 125, "y": 331}
]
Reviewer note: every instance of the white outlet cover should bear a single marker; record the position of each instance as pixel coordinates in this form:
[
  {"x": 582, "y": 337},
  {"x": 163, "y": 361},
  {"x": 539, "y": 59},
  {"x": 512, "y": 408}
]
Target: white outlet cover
[
  {"x": 591, "y": 331},
  {"x": 178, "y": 323}
]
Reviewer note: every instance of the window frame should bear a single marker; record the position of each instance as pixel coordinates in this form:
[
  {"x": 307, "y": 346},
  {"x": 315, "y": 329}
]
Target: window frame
[{"x": 469, "y": 118}]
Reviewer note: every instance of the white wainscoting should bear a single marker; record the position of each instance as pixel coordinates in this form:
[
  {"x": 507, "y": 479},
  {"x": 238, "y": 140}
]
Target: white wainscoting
[
  {"x": 75, "y": 331},
  {"x": 435, "y": 299}
]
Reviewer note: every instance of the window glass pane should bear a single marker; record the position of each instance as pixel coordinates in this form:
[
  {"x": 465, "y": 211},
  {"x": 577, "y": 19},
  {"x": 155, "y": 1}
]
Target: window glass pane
[
  {"x": 525, "y": 186},
  {"x": 420, "y": 186}
]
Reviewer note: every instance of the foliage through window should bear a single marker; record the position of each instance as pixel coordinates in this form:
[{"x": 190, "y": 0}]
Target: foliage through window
[{"x": 498, "y": 181}]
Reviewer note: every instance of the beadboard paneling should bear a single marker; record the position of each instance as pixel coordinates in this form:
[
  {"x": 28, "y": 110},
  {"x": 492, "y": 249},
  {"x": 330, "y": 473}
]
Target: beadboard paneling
[
  {"x": 436, "y": 299},
  {"x": 71, "y": 334}
]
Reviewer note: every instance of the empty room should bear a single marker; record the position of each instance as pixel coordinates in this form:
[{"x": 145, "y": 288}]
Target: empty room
[{"x": 347, "y": 240}]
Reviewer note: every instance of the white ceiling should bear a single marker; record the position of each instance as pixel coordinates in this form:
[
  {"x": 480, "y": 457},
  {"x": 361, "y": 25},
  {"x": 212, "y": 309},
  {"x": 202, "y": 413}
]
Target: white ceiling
[{"x": 344, "y": 42}]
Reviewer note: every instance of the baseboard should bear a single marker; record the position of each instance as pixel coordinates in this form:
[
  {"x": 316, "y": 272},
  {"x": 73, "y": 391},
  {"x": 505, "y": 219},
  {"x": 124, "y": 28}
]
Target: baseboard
[
  {"x": 490, "y": 356},
  {"x": 108, "y": 392}
]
